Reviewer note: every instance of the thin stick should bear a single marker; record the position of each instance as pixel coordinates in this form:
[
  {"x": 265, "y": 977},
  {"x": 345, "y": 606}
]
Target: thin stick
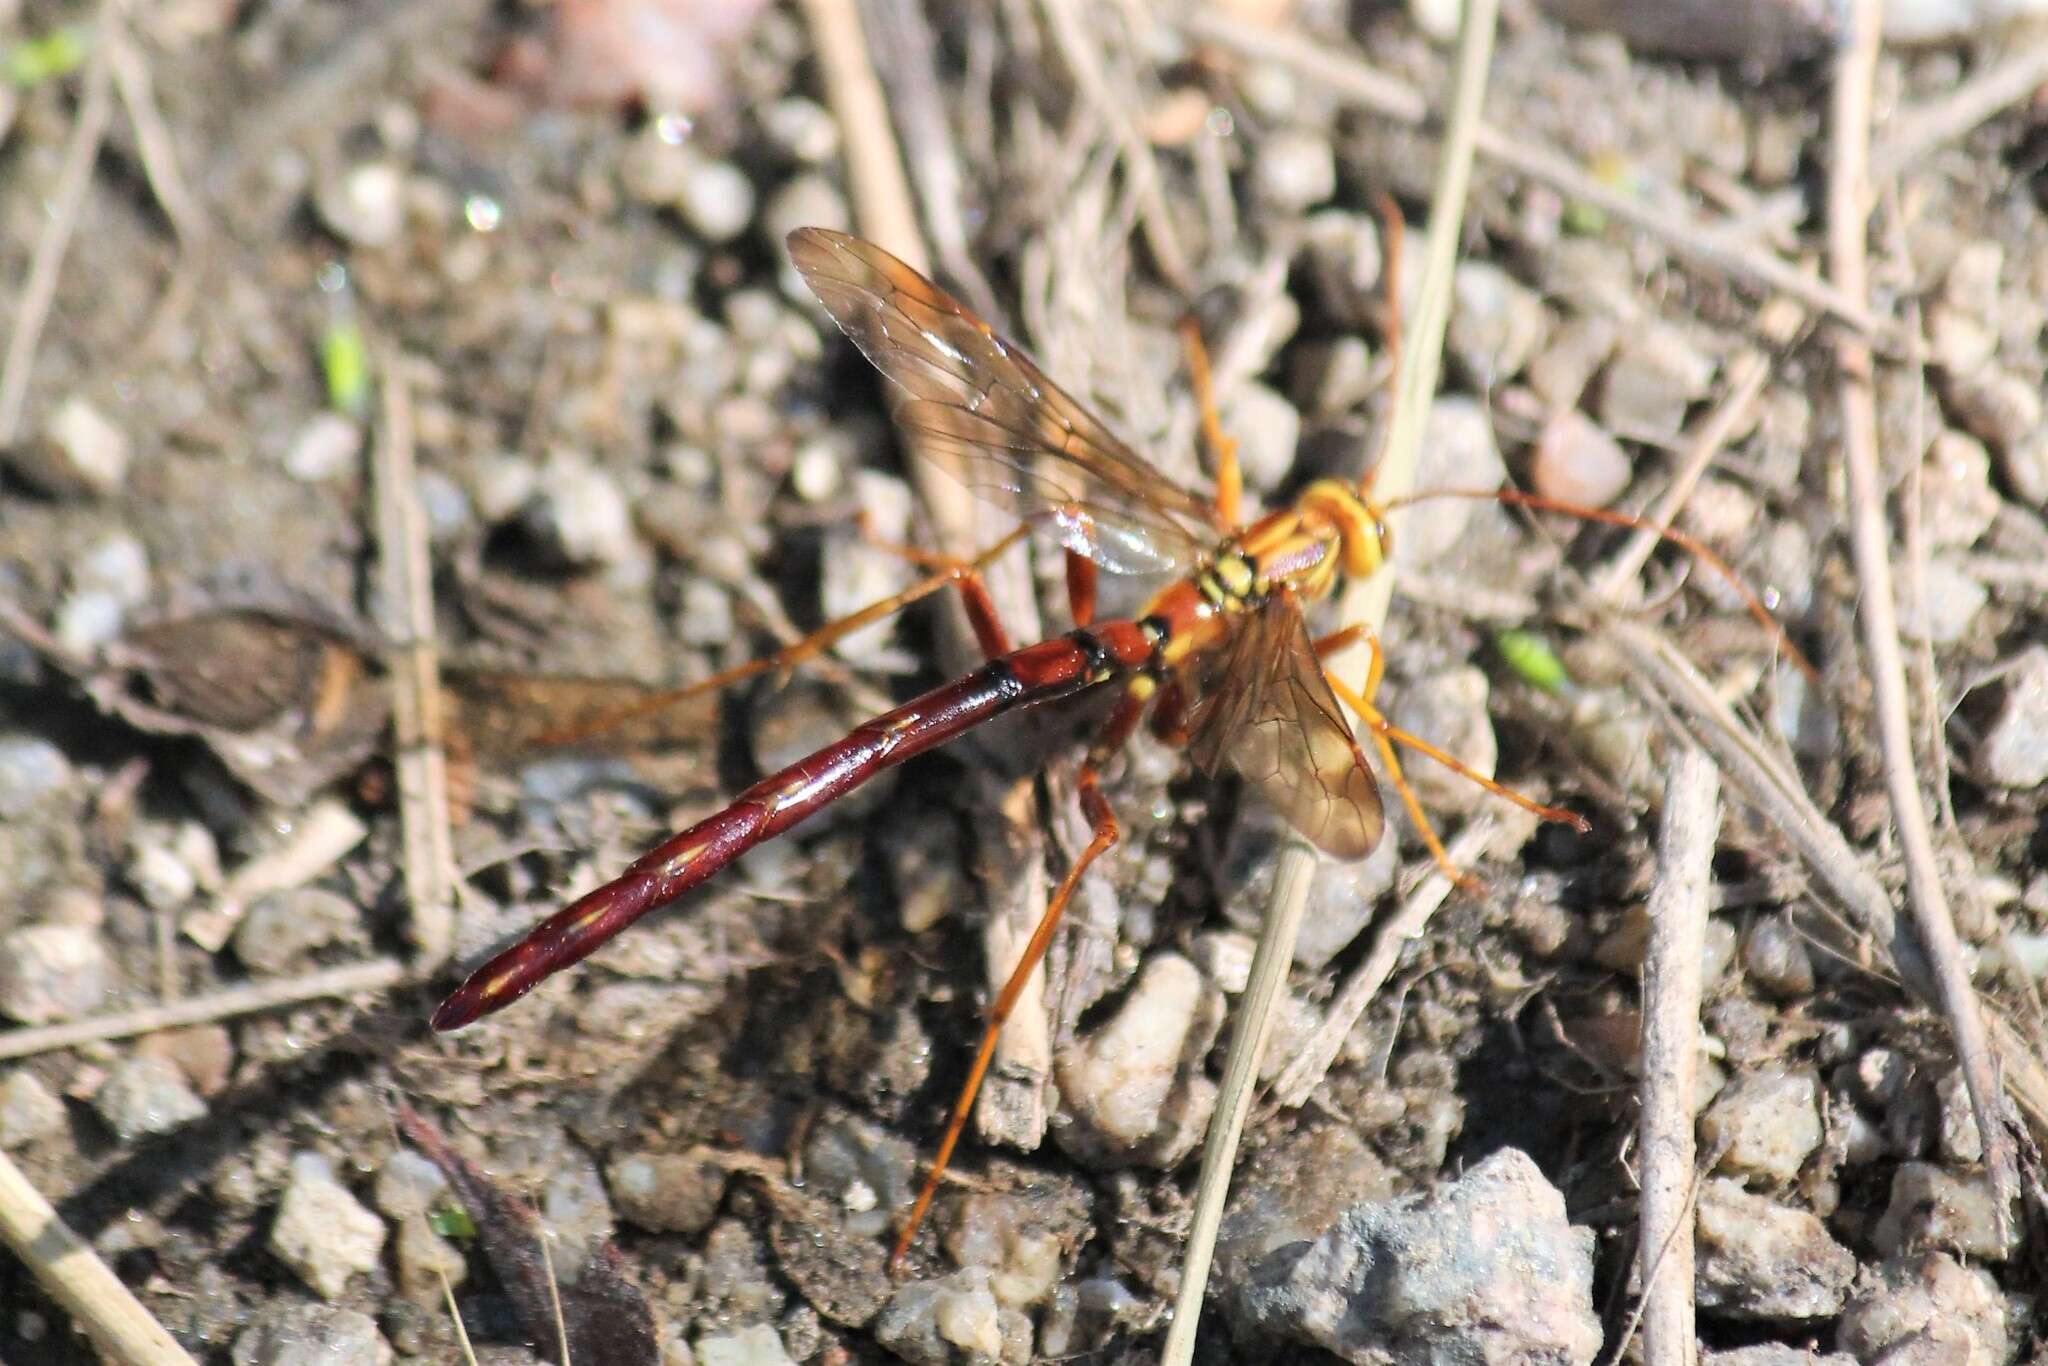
[
  {"x": 67, "y": 199},
  {"x": 1084, "y": 63},
  {"x": 1691, "y": 823},
  {"x": 65, "y": 1265},
  {"x": 1919, "y": 130},
  {"x": 1704, "y": 244},
  {"x": 1305, "y": 1070},
  {"x": 886, "y": 214},
  {"x": 1421, "y": 360},
  {"x": 1849, "y": 203},
  {"x": 418, "y": 727},
  {"x": 153, "y": 141},
  {"x": 1745, "y": 384},
  {"x": 376, "y": 974}
]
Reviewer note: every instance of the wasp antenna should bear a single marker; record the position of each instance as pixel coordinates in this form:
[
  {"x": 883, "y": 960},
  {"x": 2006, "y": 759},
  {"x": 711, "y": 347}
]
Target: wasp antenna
[{"x": 1692, "y": 545}]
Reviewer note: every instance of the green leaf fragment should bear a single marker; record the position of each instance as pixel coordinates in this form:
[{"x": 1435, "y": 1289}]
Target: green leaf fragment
[
  {"x": 345, "y": 364},
  {"x": 1532, "y": 659},
  {"x": 46, "y": 57}
]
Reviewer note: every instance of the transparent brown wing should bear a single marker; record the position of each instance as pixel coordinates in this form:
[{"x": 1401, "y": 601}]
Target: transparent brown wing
[
  {"x": 1263, "y": 707},
  {"x": 969, "y": 393}
]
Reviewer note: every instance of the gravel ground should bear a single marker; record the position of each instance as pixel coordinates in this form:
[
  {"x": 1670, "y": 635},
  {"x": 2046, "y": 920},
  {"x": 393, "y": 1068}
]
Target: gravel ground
[{"x": 307, "y": 234}]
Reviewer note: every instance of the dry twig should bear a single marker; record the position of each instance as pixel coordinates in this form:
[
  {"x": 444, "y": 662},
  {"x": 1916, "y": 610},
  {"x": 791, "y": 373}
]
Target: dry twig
[
  {"x": 1671, "y": 1036},
  {"x": 1918, "y": 130},
  {"x": 67, "y": 199},
  {"x": 885, "y": 212},
  {"x": 372, "y": 975},
  {"x": 1365, "y": 603},
  {"x": 1483, "y": 836},
  {"x": 406, "y": 582},
  {"x": 1849, "y": 203},
  {"x": 76, "y": 1278},
  {"x": 1706, "y": 244}
]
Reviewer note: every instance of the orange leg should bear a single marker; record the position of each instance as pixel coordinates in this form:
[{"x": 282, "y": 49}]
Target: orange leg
[
  {"x": 1118, "y": 729},
  {"x": 1386, "y": 735},
  {"x": 1222, "y": 449},
  {"x": 965, "y": 574}
]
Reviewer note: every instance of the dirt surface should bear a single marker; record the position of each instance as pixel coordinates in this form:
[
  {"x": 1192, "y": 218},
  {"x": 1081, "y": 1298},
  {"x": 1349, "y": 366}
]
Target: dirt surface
[{"x": 644, "y": 455}]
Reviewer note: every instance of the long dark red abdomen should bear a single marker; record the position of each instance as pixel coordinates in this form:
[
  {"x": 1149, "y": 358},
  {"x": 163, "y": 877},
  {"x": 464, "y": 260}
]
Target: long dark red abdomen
[{"x": 1038, "y": 673}]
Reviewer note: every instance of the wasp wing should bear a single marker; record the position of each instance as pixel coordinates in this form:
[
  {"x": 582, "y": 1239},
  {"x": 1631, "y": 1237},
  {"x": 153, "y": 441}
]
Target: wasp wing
[
  {"x": 967, "y": 392},
  {"x": 1264, "y": 707}
]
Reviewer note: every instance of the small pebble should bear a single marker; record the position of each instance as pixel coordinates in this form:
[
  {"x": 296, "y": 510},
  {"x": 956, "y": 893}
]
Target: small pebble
[
  {"x": 1932, "y": 1211},
  {"x": 579, "y": 516},
  {"x": 966, "y": 1314},
  {"x": 654, "y": 170},
  {"x": 81, "y": 454},
  {"x": 1268, "y": 432},
  {"x": 164, "y": 880},
  {"x": 1960, "y": 504},
  {"x": 1022, "y": 1257},
  {"x": 144, "y": 1096},
  {"x": 28, "y": 1110},
  {"x": 1960, "y": 1141},
  {"x": 1971, "y": 284},
  {"x": 716, "y": 200},
  {"x": 282, "y": 931},
  {"x": 855, "y": 572},
  {"x": 281, "y": 1333},
  {"x": 1762, "y": 1261},
  {"x": 1125, "y": 1082},
  {"x": 2013, "y": 749},
  {"x": 408, "y": 1184},
  {"x": 1958, "y": 343},
  {"x": 1295, "y": 170},
  {"x": 1483, "y": 1268},
  {"x": 427, "y": 1262},
  {"x": 704, "y": 617},
  {"x": 1775, "y": 1354},
  {"x": 32, "y": 770},
  {"x": 327, "y": 447},
  {"x": 925, "y": 866},
  {"x": 1575, "y": 459},
  {"x": 2024, "y": 467},
  {"x": 87, "y": 621},
  {"x": 365, "y": 204},
  {"x": 1657, "y": 374},
  {"x": 203, "y": 1054},
  {"x": 578, "y": 1211},
  {"x": 755, "y": 1345},
  {"x": 1496, "y": 324},
  {"x": 446, "y": 505},
  {"x": 802, "y": 128},
  {"x": 53, "y": 972},
  {"x": 1925, "y": 1301},
  {"x": 1345, "y": 262},
  {"x": 1458, "y": 451},
  {"x": 1571, "y": 355},
  {"x": 666, "y": 1192},
  {"x": 322, "y": 1232},
  {"x": 116, "y": 565},
  {"x": 1436, "y": 20},
  {"x": 2003, "y": 408},
  {"x": 1775, "y": 957},
  {"x": 1225, "y": 958},
  {"x": 1765, "y": 1124},
  {"x": 1953, "y": 600},
  {"x": 804, "y": 201}
]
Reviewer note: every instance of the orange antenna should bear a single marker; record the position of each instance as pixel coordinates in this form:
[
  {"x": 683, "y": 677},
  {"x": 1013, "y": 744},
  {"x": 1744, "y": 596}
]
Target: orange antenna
[{"x": 1688, "y": 543}]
